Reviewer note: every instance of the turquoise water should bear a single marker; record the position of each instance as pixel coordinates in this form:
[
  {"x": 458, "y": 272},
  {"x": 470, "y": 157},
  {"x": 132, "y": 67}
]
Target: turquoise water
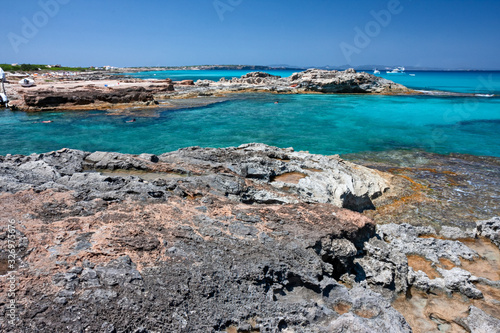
[
  {"x": 326, "y": 124},
  {"x": 214, "y": 75},
  {"x": 463, "y": 82}
]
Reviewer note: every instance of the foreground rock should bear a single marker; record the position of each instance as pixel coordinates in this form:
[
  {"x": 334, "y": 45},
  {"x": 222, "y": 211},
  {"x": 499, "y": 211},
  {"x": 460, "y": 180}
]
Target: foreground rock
[
  {"x": 253, "y": 173},
  {"x": 253, "y": 238},
  {"x": 119, "y": 93}
]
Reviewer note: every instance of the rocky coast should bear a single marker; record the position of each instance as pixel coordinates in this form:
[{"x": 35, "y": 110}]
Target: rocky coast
[
  {"x": 93, "y": 91},
  {"x": 251, "y": 239}
]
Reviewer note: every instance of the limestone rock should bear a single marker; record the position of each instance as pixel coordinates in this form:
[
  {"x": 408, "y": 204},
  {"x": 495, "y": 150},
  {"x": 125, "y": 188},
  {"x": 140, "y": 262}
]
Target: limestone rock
[
  {"x": 480, "y": 322},
  {"x": 344, "y": 82},
  {"x": 490, "y": 229}
]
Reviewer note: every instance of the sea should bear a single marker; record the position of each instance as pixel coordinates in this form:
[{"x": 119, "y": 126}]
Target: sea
[{"x": 323, "y": 124}]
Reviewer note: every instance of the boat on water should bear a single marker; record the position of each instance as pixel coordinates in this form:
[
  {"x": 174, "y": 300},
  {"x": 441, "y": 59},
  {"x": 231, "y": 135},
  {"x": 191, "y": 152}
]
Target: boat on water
[
  {"x": 376, "y": 71},
  {"x": 398, "y": 70}
]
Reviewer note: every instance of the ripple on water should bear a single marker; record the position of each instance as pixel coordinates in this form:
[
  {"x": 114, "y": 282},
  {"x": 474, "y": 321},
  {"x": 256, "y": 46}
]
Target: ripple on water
[{"x": 325, "y": 124}]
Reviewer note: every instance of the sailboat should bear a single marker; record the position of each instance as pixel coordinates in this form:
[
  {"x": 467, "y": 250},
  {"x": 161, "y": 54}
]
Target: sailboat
[{"x": 397, "y": 70}]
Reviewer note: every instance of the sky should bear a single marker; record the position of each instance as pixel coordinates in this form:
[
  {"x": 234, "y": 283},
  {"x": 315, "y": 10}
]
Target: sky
[{"x": 448, "y": 34}]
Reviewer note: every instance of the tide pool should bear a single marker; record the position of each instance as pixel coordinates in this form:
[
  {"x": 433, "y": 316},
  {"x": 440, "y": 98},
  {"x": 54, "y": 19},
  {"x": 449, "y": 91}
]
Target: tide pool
[{"x": 325, "y": 124}]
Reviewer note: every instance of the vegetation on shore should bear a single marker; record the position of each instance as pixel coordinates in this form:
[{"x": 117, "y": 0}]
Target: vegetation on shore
[{"x": 35, "y": 67}]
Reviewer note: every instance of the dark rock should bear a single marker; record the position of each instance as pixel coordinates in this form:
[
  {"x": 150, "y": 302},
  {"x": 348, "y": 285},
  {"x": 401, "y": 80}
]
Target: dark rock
[{"x": 252, "y": 238}]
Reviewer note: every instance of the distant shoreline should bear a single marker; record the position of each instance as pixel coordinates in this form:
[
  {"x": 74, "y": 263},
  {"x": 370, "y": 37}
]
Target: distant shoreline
[{"x": 114, "y": 70}]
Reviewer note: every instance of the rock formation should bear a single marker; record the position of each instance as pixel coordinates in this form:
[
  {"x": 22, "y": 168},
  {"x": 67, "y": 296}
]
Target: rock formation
[
  {"x": 246, "y": 239},
  {"x": 348, "y": 81},
  {"x": 89, "y": 95},
  {"x": 76, "y": 94}
]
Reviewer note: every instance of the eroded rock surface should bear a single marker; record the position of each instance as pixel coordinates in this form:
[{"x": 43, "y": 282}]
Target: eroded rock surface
[
  {"x": 252, "y": 173},
  {"x": 253, "y": 238},
  {"x": 490, "y": 229}
]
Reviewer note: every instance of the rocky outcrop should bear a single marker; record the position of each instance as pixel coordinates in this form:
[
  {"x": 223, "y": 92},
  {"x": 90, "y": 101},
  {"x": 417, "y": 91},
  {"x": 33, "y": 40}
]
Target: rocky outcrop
[
  {"x": 348, "y": 81},
  {"x": 121, "y": 93},
  {"x": 312, "y": 80},
  {"x": 250, "y": 238},
  {"x": 252, "y": 173},
  {"x": 184, "y": 82},
  {"x": 259, "y": 78},
  {"x": 91, "y": 95},
  {"x": 47, "y": 99},
  {"x": 198, "y": 240}
]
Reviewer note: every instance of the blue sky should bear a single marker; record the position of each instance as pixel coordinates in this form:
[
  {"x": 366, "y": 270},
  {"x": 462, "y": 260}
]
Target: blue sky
[{"x": 440, "y": 33}]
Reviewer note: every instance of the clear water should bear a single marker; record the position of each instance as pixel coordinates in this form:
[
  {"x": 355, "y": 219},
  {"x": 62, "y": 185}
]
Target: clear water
[
  {"x": 463, "y": 82},
  {"x": 214, "y": 75},
  {"x": 326, "y": 124}
]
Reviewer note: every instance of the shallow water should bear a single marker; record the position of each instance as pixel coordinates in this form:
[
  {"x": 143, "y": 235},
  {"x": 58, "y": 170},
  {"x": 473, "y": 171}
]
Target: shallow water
[
  {"x": 325, "y": 124},
  {"x": 214, "y": 75}
]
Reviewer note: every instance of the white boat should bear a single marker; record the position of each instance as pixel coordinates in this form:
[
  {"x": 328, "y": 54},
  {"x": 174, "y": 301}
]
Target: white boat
[
  {"x": 412, "y": 74},
  {"x": 27, "y": 82},
  {"x": 376, "y": 71},
  {"x": 397, "y": 70}
]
